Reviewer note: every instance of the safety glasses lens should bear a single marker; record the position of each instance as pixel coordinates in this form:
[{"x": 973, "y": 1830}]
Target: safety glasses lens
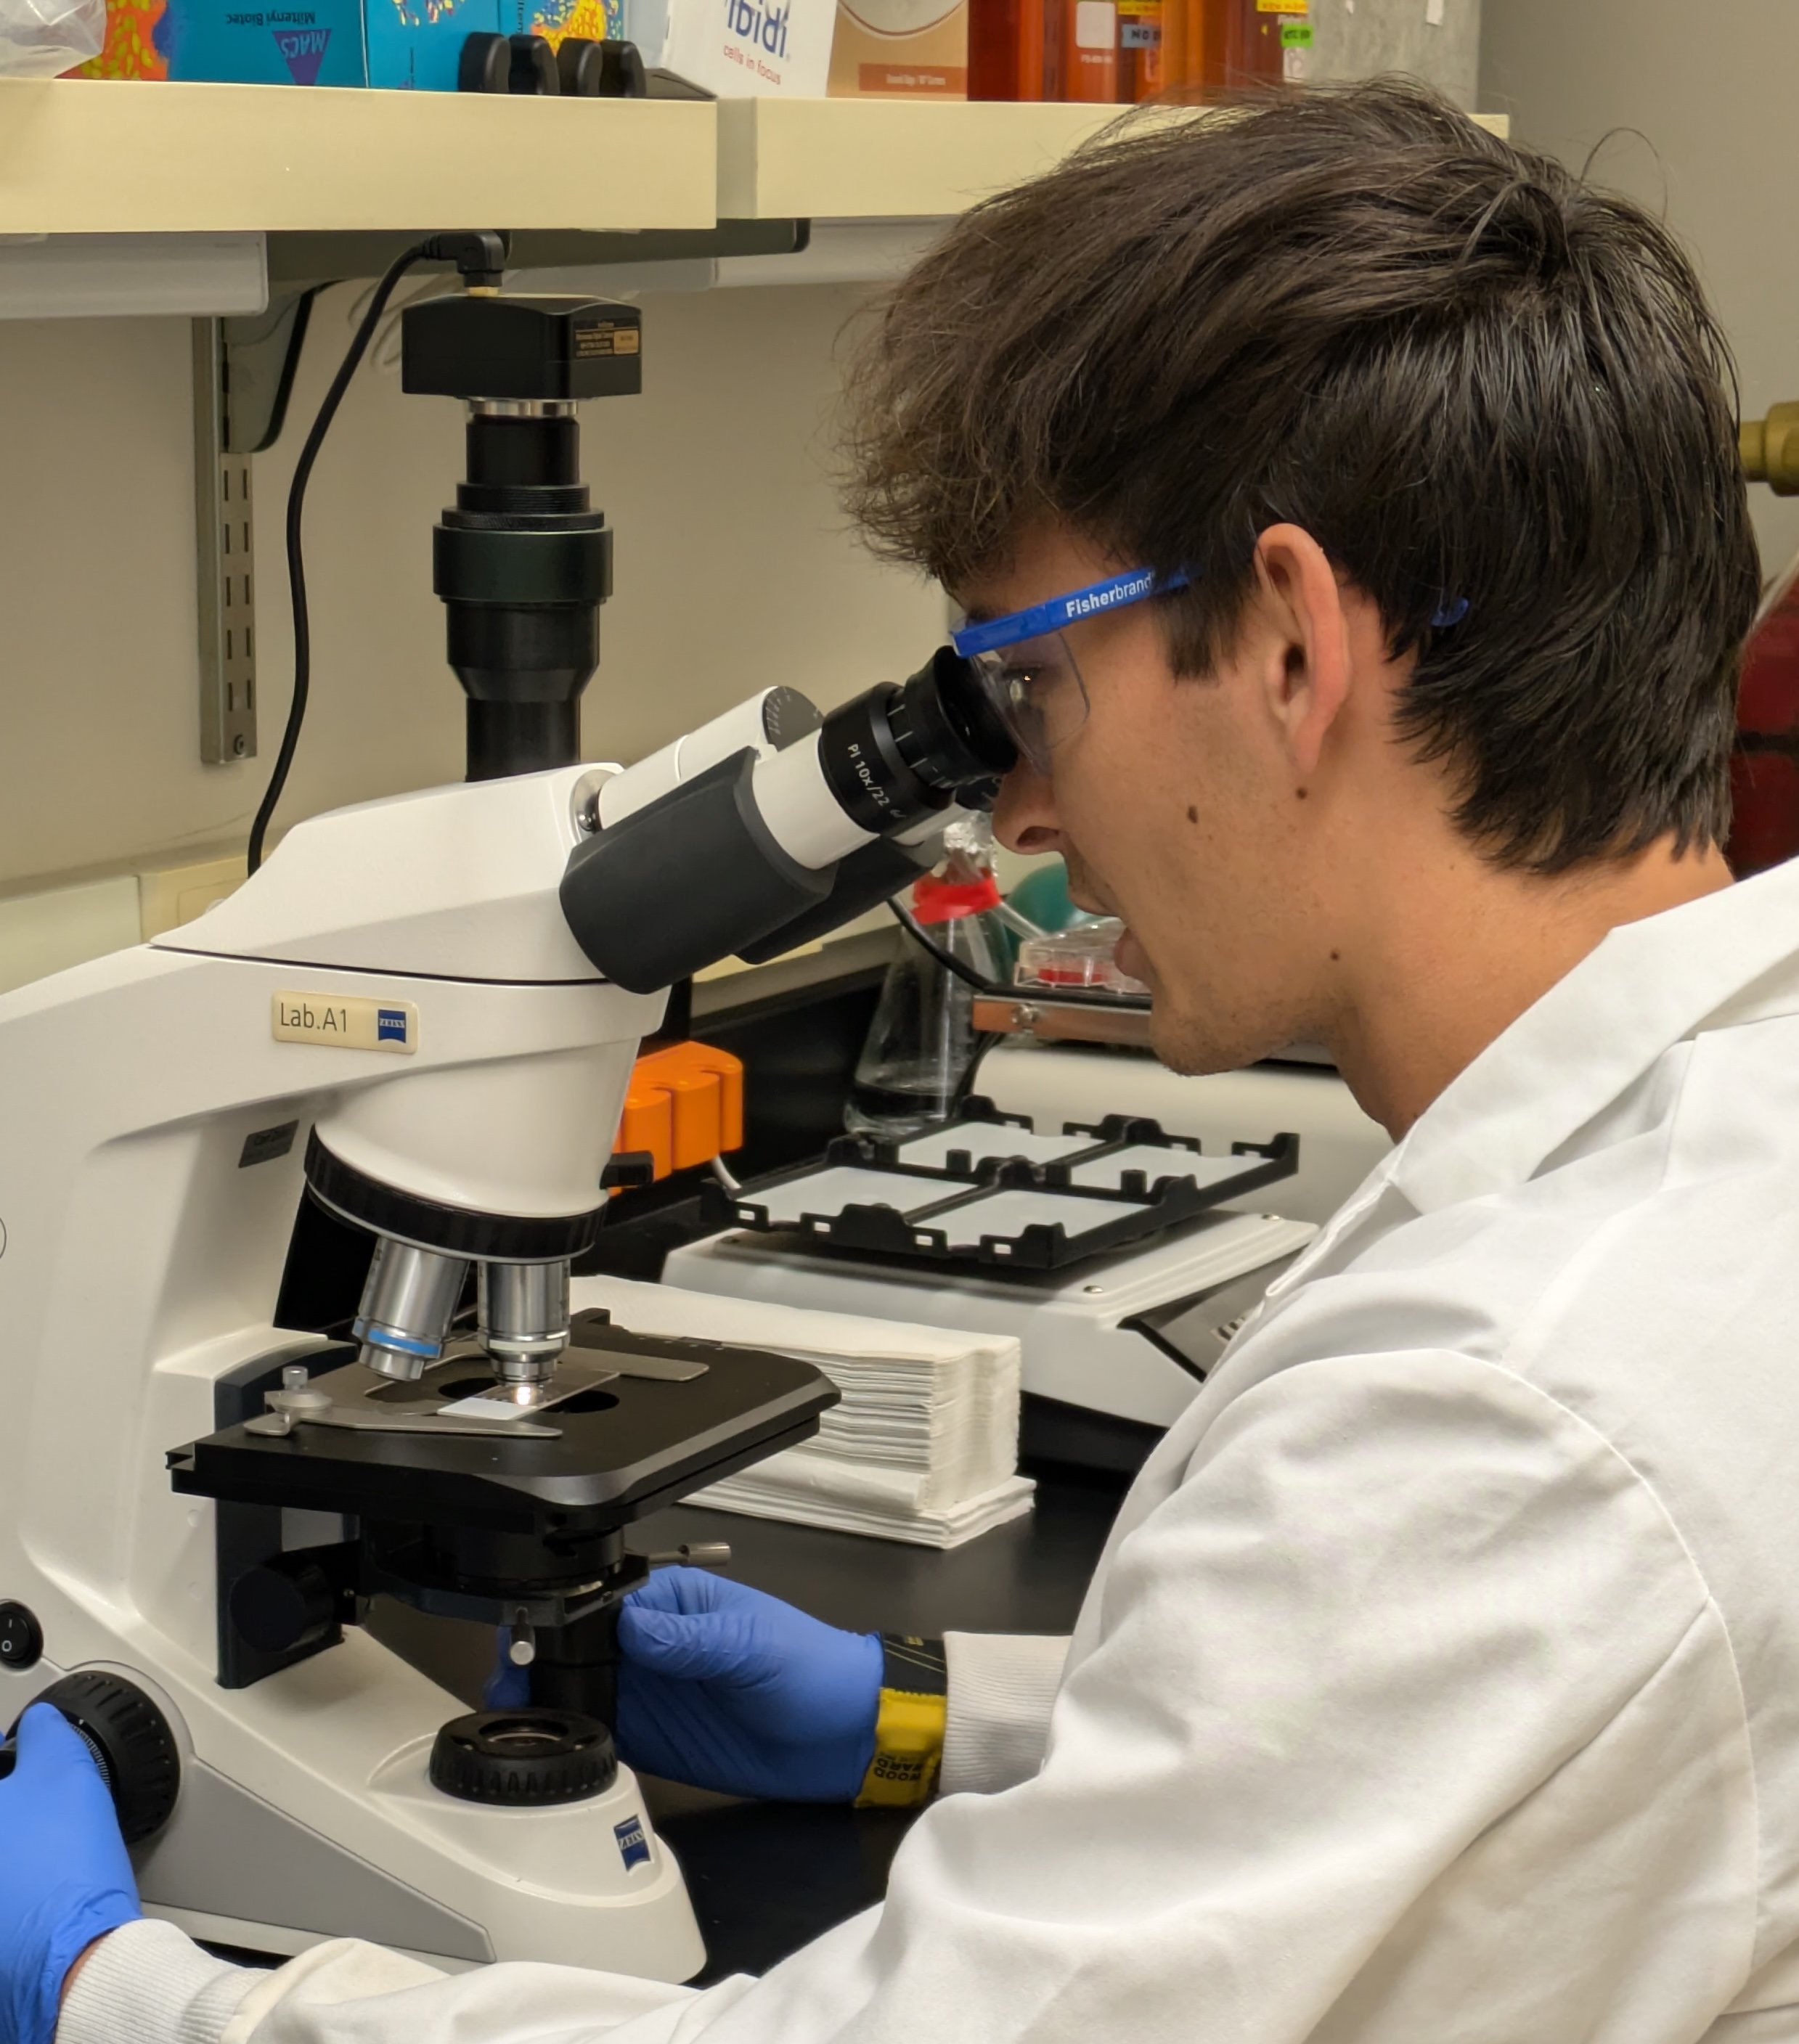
[{"x": 1036, "y": 688}]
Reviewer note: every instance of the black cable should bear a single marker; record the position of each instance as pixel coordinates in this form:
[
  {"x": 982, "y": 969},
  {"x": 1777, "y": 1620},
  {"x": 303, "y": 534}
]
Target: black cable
[
  {"x": 296, "y": 561},
  {"x": 1071, "y": 997},
  {"x": 477, "y": 256}
]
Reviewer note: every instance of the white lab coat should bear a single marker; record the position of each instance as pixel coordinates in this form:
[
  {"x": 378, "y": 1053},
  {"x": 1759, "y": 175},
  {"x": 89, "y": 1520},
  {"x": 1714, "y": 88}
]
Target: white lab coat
[{"x": 1439, "y": 1684}]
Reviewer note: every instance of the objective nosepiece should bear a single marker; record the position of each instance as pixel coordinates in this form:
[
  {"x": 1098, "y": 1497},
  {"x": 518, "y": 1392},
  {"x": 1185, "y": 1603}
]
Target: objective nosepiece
[{"x": 408, "y": 1302}]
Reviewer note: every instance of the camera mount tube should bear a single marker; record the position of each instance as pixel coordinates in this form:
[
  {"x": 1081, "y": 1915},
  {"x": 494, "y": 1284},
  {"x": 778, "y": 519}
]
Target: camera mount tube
[{"x": 522, "y": 562}]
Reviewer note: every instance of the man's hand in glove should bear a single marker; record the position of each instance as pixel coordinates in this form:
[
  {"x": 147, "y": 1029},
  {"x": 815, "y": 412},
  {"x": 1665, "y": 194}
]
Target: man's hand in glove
[
  {"x": 728, "y": 1688},
  {"x": 65, "y": 1879}
]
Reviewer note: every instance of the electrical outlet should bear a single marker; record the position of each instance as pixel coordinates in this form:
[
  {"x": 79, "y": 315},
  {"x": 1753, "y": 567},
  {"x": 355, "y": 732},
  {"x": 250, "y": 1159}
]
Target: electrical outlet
[{"x": 172, "y": 895}]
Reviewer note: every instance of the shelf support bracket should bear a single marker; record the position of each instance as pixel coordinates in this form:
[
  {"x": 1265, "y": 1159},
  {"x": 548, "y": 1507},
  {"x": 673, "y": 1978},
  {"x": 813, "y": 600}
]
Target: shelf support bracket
[{"x": 243, "y": 374}]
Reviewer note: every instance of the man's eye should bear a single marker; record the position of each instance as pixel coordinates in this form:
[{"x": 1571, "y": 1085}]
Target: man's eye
[{"x": 1029, "y": 680}]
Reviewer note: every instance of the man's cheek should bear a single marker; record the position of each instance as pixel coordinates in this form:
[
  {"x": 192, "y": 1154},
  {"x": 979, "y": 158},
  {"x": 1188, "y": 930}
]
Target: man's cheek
[{"x": 1082, "y": 891}]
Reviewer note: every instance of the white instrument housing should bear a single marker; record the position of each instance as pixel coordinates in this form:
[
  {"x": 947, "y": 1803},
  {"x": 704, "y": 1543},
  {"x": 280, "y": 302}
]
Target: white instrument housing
[{"x": 155, "y": 1124}]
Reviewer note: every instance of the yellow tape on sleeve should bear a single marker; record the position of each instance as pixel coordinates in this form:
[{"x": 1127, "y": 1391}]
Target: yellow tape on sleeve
[{"x": 908, "y": 1749}]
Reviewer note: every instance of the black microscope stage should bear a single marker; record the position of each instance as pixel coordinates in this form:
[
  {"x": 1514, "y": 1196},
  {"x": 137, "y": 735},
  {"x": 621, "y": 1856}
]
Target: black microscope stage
[{"x": 628, "y": 1446}]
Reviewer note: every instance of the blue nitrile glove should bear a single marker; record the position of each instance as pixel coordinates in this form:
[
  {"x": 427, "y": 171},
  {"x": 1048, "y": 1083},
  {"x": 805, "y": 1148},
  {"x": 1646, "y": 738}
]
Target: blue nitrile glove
[
  {"x": 508, "y": 1688},
  {"x": 724, "y": 1687},
  {"x": 65, "y": 1878}
]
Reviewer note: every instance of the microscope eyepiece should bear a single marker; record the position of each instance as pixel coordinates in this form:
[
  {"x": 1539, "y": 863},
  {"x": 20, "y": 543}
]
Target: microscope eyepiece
[
  {"x": 946, "y": 727},
  {"x": 893, "y": 756}
]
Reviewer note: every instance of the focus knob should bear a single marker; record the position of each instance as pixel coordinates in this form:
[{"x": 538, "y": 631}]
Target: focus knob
[
  {"x": 523, "y": 1759},
  {"x": 284, "y": 1603},
  {"x": 131, "y": 1744}
]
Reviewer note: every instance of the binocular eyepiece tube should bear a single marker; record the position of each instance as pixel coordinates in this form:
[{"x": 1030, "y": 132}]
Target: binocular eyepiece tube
[{"x": 771, "y": 845}]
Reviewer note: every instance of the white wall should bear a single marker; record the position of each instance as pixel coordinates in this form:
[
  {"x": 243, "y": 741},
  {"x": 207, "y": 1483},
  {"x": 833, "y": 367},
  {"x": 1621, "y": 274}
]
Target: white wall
[
  {"x": 733, "y": 570},
  {"x": 1437, "y": 40},
  {"x": 1708, "y": 90}
]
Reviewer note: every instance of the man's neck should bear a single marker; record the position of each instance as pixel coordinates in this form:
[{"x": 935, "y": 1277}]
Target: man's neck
[{"x": 1463, "y": 952}]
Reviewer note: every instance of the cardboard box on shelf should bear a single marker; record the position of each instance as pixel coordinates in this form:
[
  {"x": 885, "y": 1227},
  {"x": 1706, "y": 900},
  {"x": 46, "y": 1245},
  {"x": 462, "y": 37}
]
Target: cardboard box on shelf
[
  {"x": 405, "y": 45},
  {"x": 416, "y": 45},
  {"x": 136, "y": 44},
  {"x": 598, "y": 20},
  {"x": 900, "y": 49},
  {"x": 315, "y": 42},
  {"x": 739, "y": 49}
]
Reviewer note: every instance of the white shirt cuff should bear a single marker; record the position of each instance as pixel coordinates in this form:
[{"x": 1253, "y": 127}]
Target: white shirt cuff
[
  {"x": 1001, "y": 1688},
  {"x": 149, "y": 1982}
]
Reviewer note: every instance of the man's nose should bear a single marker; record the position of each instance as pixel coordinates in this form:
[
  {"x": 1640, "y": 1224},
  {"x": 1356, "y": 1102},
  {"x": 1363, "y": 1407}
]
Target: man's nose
[{"x": 1024, "y": 819}]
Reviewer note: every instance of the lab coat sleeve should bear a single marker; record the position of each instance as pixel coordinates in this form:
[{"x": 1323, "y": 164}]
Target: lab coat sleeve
[
  {"x": 1001, "y": 1687},
  {"x": 149, "y": 1971},
  {"x": 1404, "y": 1714},
  {"x": 150, "y": 1983}
]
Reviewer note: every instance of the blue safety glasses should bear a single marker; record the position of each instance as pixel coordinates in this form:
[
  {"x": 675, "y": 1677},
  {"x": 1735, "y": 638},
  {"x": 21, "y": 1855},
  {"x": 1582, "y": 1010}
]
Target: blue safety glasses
[{"x": 1027, "y": 669}]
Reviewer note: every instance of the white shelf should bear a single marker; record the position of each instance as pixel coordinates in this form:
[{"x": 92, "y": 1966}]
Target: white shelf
[
  {"x": 885, "y": 159},
  {"x": 109, "y": 157},
  {"x": 890, "y": 158},
  {"x": 118, "y": 157}
]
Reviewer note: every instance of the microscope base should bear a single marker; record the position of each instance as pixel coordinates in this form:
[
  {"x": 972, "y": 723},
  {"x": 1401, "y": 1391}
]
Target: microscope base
[
  {"x": 454, "y": 1883},
  {"x": 274, "y": 1940}
]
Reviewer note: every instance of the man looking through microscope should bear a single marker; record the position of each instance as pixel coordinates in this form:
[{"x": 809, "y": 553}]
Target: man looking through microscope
[{"x": 1365, "y": 491}]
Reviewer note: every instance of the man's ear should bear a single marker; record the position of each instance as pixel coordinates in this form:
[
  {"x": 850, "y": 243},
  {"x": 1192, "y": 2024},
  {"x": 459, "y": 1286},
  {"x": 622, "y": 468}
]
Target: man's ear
[{"x": 1307, "y": 669}]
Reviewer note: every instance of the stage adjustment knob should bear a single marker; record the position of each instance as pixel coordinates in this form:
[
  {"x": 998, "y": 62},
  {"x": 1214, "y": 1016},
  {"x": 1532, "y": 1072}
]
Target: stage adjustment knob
[
  {"x": 131, "y": 1740},
  {"x": 523, "y": 1759}
]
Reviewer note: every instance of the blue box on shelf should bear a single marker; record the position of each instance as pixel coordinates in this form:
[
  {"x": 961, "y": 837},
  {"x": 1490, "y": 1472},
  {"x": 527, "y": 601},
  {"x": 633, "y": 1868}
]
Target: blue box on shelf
[
  {"x": 405, "y": 45},
  {"x": 416, "y": 45},
  {"x": 244, "y": 42}
]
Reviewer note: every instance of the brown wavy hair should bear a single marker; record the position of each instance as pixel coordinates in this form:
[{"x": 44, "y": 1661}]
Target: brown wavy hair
[{"x": 1493, "y": 392}]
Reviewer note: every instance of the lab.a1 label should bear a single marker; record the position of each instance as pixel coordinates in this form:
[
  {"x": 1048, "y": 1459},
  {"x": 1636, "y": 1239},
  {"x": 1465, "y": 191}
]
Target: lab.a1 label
[{"x": 345, "y": 1022}]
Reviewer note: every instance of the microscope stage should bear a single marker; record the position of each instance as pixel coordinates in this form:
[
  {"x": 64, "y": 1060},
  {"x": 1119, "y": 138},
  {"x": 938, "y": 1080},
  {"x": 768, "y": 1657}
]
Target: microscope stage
[{"x": 628, "y": 1447}]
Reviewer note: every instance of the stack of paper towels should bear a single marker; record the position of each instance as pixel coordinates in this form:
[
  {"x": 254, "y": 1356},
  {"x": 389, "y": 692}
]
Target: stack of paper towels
[{"x": 924, "y": 1446}]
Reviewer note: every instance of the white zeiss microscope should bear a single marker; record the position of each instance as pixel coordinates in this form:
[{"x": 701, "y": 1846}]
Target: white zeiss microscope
[{"x": 419, "y": 1018}]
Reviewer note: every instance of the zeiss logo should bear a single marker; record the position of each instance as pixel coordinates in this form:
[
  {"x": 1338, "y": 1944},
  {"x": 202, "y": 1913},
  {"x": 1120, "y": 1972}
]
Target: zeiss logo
[
  {"x": 633, "y": 1847},
  {"x": 766, "y": 27},
  {"x": 390, "y": 1025}
]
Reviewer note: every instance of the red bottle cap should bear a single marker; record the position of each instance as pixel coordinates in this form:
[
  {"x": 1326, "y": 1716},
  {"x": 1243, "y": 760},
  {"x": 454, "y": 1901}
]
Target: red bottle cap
[{"x": 942, "y": 901}]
